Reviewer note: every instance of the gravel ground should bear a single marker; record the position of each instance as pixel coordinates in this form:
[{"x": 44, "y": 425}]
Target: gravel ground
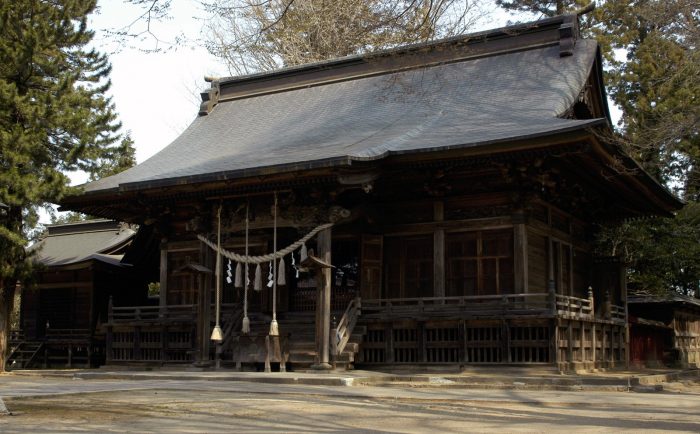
[{"x": 247, "y": 407}]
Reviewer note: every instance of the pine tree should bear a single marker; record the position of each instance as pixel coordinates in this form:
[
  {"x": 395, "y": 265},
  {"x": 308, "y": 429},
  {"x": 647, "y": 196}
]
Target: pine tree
[
  {"x": 657, "y": 86},
  {"x": 54, "y": 118}
]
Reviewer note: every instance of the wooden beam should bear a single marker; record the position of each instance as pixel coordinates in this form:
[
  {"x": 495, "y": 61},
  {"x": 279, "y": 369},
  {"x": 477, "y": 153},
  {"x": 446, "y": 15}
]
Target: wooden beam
[
  {"x": 163, "y": 297},
  {"x": 204, "y": 308},
  {"x": 439, "y": 251},
  {"x": 520, "y": 258},
  {"x": 323, "y": 306},
  {"x": 439, "y": 263}
]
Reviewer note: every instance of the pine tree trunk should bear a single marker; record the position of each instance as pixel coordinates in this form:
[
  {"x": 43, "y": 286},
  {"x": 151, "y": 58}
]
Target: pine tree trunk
[{"x": 7, "y": 297}]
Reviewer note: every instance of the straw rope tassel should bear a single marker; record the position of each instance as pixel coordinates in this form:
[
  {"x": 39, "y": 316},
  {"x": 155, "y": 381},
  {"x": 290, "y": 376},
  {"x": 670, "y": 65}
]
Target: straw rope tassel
[
  {"x": 303, "y": 254},
  {"x": 245, "y": 324},
  {"x": 257, "y": 283},
  {"x": 216, "y": 334},
  {"x": 274, "y": 329},
  {"x": 281, "y": 274}
]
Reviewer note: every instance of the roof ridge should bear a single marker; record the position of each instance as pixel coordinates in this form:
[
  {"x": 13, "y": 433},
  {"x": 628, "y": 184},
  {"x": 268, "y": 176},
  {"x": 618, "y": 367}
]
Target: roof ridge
[{"x": 561, "y": 30}]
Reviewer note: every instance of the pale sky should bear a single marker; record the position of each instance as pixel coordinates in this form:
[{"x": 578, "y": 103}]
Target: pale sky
[{"x": 156, "y": 94}]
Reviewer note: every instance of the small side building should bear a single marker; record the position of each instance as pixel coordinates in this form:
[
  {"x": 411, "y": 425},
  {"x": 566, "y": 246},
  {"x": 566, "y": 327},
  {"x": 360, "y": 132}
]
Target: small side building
[
  {"x": 664, "y": 330},
  {"x": 78, "y": 268}
]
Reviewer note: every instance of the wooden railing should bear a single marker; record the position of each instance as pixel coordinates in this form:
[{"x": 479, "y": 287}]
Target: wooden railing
[
  {"x": 617, "y": 313},
  {"x": 516, "y": 304},
  {"x": 68, "y": 336},
  {"x": 304, "y": 299},
  {"x": 231, "y": 321},
  {"x": 543, "y": 304},
  {"x": 340, "y": 335},
  {"x": 171, "y": 313},
  {"x": 574, "y": 307}
]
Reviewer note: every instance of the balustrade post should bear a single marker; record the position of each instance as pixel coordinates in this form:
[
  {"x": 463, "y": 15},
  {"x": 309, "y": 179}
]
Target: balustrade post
[{"x": 591, "y": 301}]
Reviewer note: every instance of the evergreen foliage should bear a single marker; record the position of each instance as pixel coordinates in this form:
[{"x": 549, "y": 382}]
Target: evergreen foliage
[
  {"x": 54, "y": 118},
  {"x": 656, "y": 84}
]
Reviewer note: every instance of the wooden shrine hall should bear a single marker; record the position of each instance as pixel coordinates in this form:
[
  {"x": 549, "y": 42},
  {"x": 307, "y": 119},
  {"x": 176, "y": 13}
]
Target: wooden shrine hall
[{"x": 429, "y": 204}]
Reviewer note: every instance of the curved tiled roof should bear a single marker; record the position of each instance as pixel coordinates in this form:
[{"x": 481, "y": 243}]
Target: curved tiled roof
[
  {"x": 77, "y": 242},
  {"x": 467, "y": 103}
]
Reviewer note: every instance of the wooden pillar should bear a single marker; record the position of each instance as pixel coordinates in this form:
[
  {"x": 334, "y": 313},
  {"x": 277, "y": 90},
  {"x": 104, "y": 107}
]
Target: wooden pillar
[
  {"x": 520, "y": 255},
  {"x": 163, "y": 297},
  {"x": 323, "y": 306},
  {"x": 570, "y": 338},
  {"x": 594, "y": 344},
  {"x": 623, "y": 298},
  {"x": 439, "y": 252},
  {"x": 439, "y": 263},
  {"x": 109, "y": 336},
  {"x": 204, "y": 308}
]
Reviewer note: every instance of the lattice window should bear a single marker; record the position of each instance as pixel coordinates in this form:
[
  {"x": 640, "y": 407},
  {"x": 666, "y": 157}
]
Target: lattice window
[
  {"x": 479, "y": 263},
  {"x": 409, "y": 266}
]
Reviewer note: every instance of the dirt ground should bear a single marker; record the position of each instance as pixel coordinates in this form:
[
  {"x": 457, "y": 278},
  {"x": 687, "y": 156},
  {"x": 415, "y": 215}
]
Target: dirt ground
[{"x": 229, "y": 411}]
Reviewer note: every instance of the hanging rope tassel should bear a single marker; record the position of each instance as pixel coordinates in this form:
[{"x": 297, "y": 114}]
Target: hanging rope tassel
[
  {"x": 238, "y": 281},
  {"x": 257, "y": 285},
  {"x": 274, "y": 328},
  {"x": 217, "y": 333},
  {"x": 245, "y": 327},
  {"x": 245, "y": 324},
  {"x": 281, "y": 273},
  {"x": 304, "y": 253}
]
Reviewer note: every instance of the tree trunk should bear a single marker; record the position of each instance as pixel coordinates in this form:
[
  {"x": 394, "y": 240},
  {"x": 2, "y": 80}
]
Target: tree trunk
[{"x": 7, "y": 298}]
